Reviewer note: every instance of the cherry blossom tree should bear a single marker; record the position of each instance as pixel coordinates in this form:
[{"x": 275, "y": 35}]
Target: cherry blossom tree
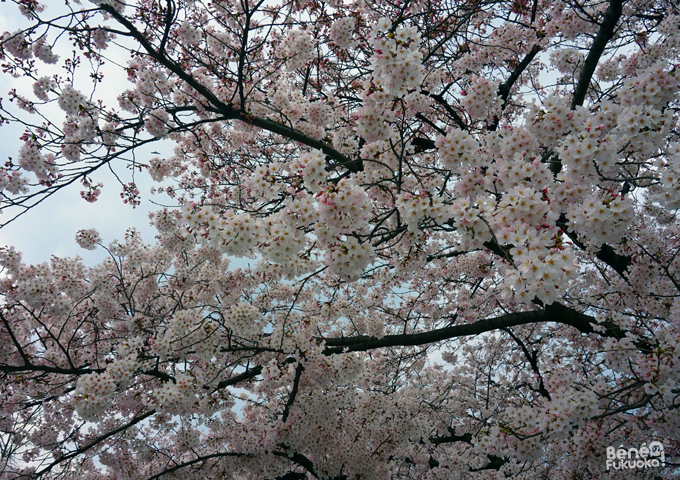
[{"x": 459, "y": 225}]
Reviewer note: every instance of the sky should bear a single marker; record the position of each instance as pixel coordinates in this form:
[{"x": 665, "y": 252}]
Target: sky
[{"x": 50, "y": 228}]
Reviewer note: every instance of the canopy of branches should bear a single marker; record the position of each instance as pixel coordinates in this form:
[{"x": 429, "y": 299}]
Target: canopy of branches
[{"x": 459, "y": 220}]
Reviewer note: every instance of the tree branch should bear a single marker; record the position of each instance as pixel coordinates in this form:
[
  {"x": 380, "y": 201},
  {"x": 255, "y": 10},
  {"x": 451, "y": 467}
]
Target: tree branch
[
  {"x": 293, "y": 393},
  {"x": 199, "y": 459},
  {"x": 466, "y": 438},
  {"x": 619, "y": 263},
  {"x": 247, "y": 375},
  {"x": 606, "y": 253},
  {"x": 553, "y": 313},
  {"x": 228, "y": 111},
  {"x": 169, "y": 14},
  {"x": 48, "y": 369},
  {"x": 298, "y": 458},
  {"x": 532, "y": 358},
  {"x": 604, "y": 34},
  {"x": 504, "y": 89},
  {"x": 95, "y": 442},
  {"x": 439, "y": 98}
]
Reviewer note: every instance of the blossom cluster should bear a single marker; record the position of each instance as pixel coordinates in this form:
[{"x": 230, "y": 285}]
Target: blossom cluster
[
  {"x": 550, "y": 120},
  {"x": 32, "y": 160},
  {"x": 606, "y": 218},
  {"x": 457, "y": 151},
  {"x": 302, "y": 210},
  {"x": 525, "y": 172},
  {"x": 415, "y": 208},
  {"x": 569, "y": 24},
  {"x": 180, "y": 331},
  {"x": 157, "y": 123},
  {"x": 341, "y": 32},
  {"x": 94, "y": 394},
  {"x": 244, "y": 320},
  {"x": 609, "y": 69},
  {"x": 567, "y": 60},
  {"x": 540, "y": 274},
  {"x": 188, "y": 34},
  {"x": 101, "y": 38},
  {"x": 298, "y": 47},
  {"x": 43, "y": 86},
  {"x": 17, "y": 44},
  {"x": 373, "y": 117},
  {"x": 481, "y": 100},
  {"x": 283, "y": 241},
  {"x": 117, "y": 5},
  {"x": 343, "y": 207},
  {"x": 71, "y": 100},
  {"x": 176, "y": 397},
  {"x": 233, "y": 234},
  {"x": 149, "y": 83},
  {"x": 313, "y": 166},
  {"x": 670, "y": 178},
  {"x": 44, "y": 52},
  {"x": 88, "y": 239},
  {"x": 78, "y": 131},
  {"x": 652, "y": 87},
  {"x": 13, "y": 181},
  {"x": 262, "y": 180},
  {"x": 348, "y": 258},
  {"x": 397, "y": 62}
]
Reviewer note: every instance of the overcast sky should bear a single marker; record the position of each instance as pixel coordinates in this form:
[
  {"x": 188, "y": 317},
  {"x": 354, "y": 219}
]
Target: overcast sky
[{"x": 49, "y": 229}]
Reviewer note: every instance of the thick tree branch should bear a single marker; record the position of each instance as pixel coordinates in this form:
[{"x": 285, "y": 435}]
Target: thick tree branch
[
  {"x": 48, "y": 369},
  {"x": 553, "y": 313},
  {"x": 505, "y": 88},
  {"x": 298, "y": 458},
  {"x": 247, "y": 375},
  {"x": 292, "y": 476},
  {"x": 455, "y": 116},
  {"x": 293, "y": 392},
  {"x": 226, "y": 110},
  {"x": 607, "y": 254},
  {"x": 169, "y": 15},
  {"x": 466, "y": 438},
  {"x": 604, "y": 34},
  {"x": 495, "y": 463},
  {"x": 619, "y": 263}
]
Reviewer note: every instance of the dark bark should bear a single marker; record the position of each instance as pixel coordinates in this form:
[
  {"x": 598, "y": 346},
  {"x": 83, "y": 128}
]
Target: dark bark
[
  {"x": 604, "y": 35},
  {"x": 552, "y": 313}
]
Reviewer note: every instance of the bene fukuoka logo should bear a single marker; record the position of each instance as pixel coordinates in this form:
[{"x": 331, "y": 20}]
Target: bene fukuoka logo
[{"x": 644, "y": 457}]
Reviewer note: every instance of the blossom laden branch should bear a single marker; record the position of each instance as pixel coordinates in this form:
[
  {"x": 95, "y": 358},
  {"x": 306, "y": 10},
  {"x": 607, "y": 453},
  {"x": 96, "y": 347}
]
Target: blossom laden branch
[
  {"x": 552, "y": 313},
  {"x": 226, "y": 110},
  {"x": 360, "y": 214}
]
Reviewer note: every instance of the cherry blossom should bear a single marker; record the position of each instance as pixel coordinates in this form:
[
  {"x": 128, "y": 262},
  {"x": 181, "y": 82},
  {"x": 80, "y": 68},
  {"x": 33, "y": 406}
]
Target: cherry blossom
[{"x": 422, "y": 240}]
